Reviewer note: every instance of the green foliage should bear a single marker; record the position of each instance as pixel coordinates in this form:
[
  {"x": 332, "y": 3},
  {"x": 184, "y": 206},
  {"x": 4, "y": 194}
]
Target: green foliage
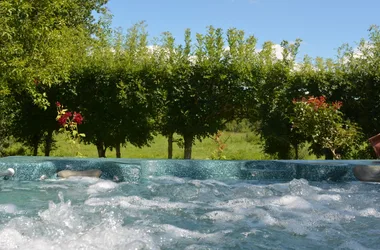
[
  {"x": 9, "y": 147},
  {"x": 360, "y": 67},
  {"x": 323, "y": 125},
  {"x": 118, "y": 77},
  {"x": 275, "y": 92},
  {"x": 128, "y": 90},
  {"x": 220, "y": 146},
  {"x": 41, "y": 40},
  {"x": 205, "y": 87},
  {"x": 242, "y": 126}
]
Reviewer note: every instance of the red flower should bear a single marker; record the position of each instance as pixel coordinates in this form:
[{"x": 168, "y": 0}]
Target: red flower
[
  {"x": 58, "y": 104},
  {"x": 62, "y": 120},
  {"x": 337, "y": 105},
  {"x": 78, "y": 118}
]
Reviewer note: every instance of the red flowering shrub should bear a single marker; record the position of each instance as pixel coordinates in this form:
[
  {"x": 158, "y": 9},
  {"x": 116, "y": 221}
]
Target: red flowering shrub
[
  {"x": 323, "y": 123},
  {"x": 221, "y": 145},
  {"x": 78, "y": 118},
  {"x": 69, "y": 122}
]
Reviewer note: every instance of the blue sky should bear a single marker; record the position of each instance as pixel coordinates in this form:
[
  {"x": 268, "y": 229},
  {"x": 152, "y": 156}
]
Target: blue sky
[{"x": 323, "y": 25}]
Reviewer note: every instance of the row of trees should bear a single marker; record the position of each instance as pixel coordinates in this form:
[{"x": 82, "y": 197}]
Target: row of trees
[{"x": 129, "y": 88}]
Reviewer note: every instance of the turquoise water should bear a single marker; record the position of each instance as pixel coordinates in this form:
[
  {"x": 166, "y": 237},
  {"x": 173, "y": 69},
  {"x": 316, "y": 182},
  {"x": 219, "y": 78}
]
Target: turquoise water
[{"x": 166, "y": 212}]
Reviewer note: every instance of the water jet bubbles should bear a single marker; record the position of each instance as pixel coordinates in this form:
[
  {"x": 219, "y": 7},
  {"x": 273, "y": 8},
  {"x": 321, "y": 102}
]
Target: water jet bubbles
[
  {"x": 102, "y": 186},
  {"x": 136, "y": 244},
  {"x": 293, "y": 202},
  {"x": 60, "y": 196},
  {"x": 11, "y": 239},
  {"x": 8, "y": 208},
  {"x": 301, "y": 187}
]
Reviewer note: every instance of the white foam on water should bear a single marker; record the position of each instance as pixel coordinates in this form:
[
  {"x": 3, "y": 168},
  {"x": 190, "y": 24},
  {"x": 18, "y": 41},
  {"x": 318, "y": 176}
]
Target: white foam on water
[
  {"x": 369, "y": 212},
  {"x": 168, "y": 179},
  {"x": 113, "y": 236},
  {"x": 8, "y": 208},
  {"x": 101, "y": 186},
  {"x": 62, "y": 214},
  {"x": 159, "y": 214},
  {"x": 292, "y": 202},
  {"x": 236, "y": 204},
  {"x": 301, "y": 187},
  {"x": 81, "y": 179},
  {"x": 102, "y": 236},
  {"x": 176, "y": 232},
  {"x": 11, "y": 239},
  {"x": 53, "y": 186},
  {"x": 211, "y": 183},
  {"x": 197, "y": 247},
  {"x": 61, "y": 227},
  {"x": 136, "y": 202},
  {"x": 223, "y": 216},
  {"x": 328, "y": 197},
  {"x": 266, "y": 218}
]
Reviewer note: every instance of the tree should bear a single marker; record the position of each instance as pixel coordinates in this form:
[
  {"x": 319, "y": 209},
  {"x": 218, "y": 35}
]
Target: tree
[
  {"x": 362, "y": 75},
  {"x": 205, "y": 88},
  {"x": 32, "y": 125},
  {"x": 40, "y": 40},
  {"x": 275, "y": 92},
  {"x": 118, "y": 78}
]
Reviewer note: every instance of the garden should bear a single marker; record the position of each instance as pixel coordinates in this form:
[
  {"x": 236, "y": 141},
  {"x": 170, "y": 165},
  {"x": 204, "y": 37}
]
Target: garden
[{"x": 213, "y": 95}]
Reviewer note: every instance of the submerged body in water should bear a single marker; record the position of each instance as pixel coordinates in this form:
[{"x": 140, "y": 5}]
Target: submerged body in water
[{"x": 178, "y": 213}]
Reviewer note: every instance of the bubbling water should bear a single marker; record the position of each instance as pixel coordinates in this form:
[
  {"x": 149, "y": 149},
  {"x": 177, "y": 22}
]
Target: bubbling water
[{"x": 179, "y": 213}]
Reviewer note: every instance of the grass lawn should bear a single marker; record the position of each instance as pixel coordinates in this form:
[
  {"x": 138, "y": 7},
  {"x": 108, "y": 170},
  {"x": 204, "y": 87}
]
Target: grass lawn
[{"x": 239, "y": 146}]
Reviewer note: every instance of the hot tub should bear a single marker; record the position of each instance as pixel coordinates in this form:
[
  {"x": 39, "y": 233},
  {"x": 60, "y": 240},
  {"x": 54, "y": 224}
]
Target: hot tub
[{"x": 187, "y": 204}]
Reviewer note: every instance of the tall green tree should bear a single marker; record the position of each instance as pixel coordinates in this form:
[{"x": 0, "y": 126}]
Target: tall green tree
[
  {"x": 205, "y": 87},
  {"x": 274, "y": 100},
  {"x": 117, "y": 76},
  {"x": 362, "y": 74},
  {"x": 40, "y": 41}
]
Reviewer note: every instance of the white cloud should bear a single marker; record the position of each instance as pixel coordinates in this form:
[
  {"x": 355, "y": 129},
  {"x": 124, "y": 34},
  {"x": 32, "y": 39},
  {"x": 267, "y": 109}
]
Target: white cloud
[
  {"x": 277, "y": 51},
  {"x": 362, "y": 51}
]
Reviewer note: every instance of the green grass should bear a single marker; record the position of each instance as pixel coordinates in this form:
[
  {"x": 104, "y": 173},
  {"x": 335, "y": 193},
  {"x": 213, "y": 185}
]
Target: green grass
[{"x": 239, "y": 146}]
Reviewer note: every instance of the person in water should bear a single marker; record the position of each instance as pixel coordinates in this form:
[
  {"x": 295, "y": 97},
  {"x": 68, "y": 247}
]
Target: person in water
[
  {"x": 370, "y": 173},
  {"x": 375, "y": 142}
]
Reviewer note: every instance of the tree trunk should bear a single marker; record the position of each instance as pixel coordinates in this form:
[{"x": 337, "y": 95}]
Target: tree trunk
[
  {"x": 101, "y": 149},
  {"x": 170, "y": 146},
  {"x": 36, "y": 143},
  {"x": 188, "y": 146},
  {"x": 328, "y": 154},
  {"x": 296, "y": 149},
  {"x": 48, "y": 143},
  {"x": 35, "y": 149},
  {"x": 117, "y": 148}
]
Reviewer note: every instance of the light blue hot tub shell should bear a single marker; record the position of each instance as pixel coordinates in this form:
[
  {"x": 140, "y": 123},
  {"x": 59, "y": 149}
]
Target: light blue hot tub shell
[{"x": 32, "y": 168}]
